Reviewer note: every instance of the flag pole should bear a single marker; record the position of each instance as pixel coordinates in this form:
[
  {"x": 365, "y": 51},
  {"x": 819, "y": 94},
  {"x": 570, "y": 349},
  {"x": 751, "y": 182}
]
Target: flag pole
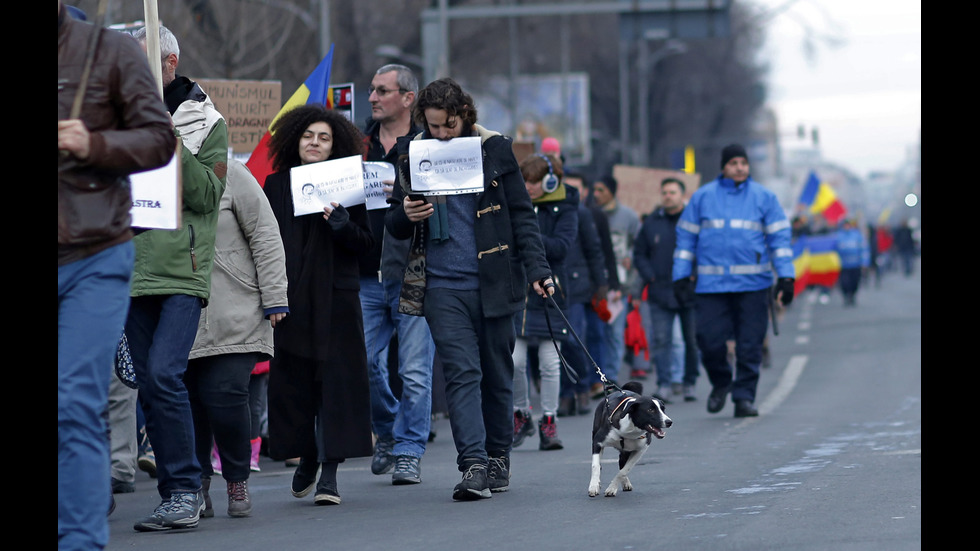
[{"x": 150, "y": 15}]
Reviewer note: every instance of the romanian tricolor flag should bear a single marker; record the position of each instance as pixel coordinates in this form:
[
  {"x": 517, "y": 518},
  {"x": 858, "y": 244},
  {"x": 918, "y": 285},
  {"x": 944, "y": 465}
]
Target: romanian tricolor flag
[
  {"x": 816, "y": 261},
  {"x": 315, "y": 89},
  {"x": 821, "y": 199}
]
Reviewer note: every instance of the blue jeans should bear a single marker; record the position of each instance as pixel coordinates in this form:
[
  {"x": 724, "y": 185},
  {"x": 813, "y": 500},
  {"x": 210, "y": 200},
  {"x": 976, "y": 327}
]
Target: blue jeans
[
  {"x": 595, "y": 341},
  {"x": 161, "y": 330},
  {"x": 475, "y": 352},
  {"x": 740, "y": 316},
  {"x": 661, "y": 342},
  {"x": 93, "y": 296},
  {"x": 573, "y": 353},
  {"x": 615, "y": 345},
  {"x": 407, "y": 419}
]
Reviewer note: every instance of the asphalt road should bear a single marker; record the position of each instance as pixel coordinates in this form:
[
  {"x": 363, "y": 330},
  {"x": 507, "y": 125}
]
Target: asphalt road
[{"x": 833, "y": 462}]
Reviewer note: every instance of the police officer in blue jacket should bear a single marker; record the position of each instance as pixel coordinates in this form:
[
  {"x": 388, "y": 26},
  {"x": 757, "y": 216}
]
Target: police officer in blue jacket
[{"x": 730, "y": 238}]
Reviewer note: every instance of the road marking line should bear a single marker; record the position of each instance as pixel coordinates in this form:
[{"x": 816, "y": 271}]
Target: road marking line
[{"x": 785, "y": 385}]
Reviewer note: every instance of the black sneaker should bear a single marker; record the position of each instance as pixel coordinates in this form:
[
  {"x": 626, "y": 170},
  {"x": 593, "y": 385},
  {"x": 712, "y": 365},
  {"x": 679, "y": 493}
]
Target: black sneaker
[
  {"x": 383, "y": 461},
  {"x": 498, "y": 474},
  {"x": 522, "y": 427},
  {"x": 548, "y": 432},
  {"x": 716, "y": 400},
  {"x": 181, "y": 510},
  {"x": 120, "y": 487},
  {"x": 745, "y": 408},
  {"x": 304, "y": 478},
  {"x": 407, "y": 470},
  {"x": 474, "y": 484}
]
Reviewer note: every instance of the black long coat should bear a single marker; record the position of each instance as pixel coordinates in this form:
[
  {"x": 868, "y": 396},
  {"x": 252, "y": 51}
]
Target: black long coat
[{"x": 320, "y": 365}]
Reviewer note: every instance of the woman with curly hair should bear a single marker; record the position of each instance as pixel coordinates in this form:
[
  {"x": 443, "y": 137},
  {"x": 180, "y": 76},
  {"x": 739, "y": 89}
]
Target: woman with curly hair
[{"x": 318, "y": 379}]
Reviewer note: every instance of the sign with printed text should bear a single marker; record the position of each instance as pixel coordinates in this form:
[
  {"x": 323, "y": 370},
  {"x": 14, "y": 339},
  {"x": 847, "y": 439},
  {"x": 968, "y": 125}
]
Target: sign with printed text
[
  {"x": 316, "y": 185},
  {"x": 375, "y": 174},
  {"x": 157, "y": 196},
  {"x": 446, "y": 167},
  {"x": 248, "y": 107}
]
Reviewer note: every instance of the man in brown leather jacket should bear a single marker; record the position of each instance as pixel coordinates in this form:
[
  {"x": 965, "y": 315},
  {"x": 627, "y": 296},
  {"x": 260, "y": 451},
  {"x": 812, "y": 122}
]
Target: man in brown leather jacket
[{"x": 122, "y": 127}]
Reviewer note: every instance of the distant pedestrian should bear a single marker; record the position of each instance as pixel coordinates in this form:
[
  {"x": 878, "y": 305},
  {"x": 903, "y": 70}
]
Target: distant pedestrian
[
  {"x": 556, "y": 208},
  {"x": 653, "y": 256},
  {"x": 624, "y": 224},
  {"x": 855, "y": 257},
  {"x": 731, "y": 235}
]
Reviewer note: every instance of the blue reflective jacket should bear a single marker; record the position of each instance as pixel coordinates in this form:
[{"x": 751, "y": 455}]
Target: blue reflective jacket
[
  {"x": 852, "y": 248},
  {"x": 736, "y": 234}
]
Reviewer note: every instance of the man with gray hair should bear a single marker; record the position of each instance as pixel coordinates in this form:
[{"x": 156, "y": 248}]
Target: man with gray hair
[
  {"x": 401, "y": 423},
  {"x": 171, "y": 284}
]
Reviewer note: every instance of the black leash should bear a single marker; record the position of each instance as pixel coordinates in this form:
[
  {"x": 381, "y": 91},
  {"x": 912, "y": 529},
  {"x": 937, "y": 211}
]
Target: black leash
[{"x": 607, "y": 385}]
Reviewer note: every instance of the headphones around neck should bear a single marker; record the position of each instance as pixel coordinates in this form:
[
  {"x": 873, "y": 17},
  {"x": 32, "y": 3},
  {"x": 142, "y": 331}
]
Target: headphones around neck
[{"x": 550, "y": 182}]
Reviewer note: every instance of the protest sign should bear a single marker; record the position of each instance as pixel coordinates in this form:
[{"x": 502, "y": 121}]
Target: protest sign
[
  {"x": 446, "y": 167},
  {"x": 316, "y": 185},
  {"x": 376, "y": 172},
  {"x": 157, "y": 196}
]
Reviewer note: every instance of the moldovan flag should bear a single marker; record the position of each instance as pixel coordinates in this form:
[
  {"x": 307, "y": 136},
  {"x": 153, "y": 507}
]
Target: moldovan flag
[
  {"x": 821, "y": 199},
  {"x": 313, "y": 90}
]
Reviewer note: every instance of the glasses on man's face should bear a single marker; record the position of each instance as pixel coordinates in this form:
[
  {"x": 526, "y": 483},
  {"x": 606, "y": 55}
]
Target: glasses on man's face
[{"x": 382, "y": 91}]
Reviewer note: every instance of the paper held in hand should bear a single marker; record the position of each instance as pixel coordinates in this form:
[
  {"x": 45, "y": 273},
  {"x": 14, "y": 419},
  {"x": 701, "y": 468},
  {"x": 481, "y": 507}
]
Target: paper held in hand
[
  {"x": 316, "y": 185},
  {"x": 446, "y": 167},
  {"x": 157, "y": 196},
  {"x": 375, "y": 173}
]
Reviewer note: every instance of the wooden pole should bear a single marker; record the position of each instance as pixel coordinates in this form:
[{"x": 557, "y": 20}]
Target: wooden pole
[{"x": 150, "y": 15}]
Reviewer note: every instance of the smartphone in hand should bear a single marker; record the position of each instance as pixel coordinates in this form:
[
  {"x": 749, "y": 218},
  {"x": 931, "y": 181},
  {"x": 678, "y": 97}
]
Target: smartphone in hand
[{"x": 417, "y": 197}]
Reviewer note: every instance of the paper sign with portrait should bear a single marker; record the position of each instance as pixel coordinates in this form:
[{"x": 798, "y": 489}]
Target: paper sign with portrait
[
  {"x": 446, "y": 167},
  {"x": 316, "y": 185},
  {"x": 375, "y": 173}
]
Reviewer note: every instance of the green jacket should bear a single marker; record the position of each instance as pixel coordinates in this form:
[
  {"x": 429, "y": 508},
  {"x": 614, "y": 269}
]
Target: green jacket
[{"x": 170, "y": 262}]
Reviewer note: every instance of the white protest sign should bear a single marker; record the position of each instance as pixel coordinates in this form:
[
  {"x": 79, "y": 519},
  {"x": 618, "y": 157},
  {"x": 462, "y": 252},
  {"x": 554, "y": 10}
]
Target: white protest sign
[
  {"x": 316, "y": 185},
  {"x": 446, "y": 167},
  {"x": 376, "y": 172},
  {"x": 157, "y": 196}
]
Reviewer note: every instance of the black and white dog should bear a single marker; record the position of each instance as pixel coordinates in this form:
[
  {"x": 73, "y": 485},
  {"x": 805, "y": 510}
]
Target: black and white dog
[{"x": 628, "y": 421}]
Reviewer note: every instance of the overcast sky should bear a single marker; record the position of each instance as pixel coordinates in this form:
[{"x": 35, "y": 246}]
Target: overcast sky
[{"x": 865, "y": 95}]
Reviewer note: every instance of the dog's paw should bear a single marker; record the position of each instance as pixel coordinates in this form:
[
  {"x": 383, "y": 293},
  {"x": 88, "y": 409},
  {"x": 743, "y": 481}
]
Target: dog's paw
[
  {"x": 627, "y": 485},
  {"x": 593, "y": 489},
  {"x": 611, "y": 490}
]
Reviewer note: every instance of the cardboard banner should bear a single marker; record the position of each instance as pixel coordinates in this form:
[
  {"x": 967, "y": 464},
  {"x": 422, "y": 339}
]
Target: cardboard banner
[
  {"x": 639, "y": 186},
  {"x": 248, "y": 107},
  {"x": 316, "y": 185},
  {"x": 375, "y": 190},
  {"x": 446, "y": 167},
  {"x": 157, "y": 196}
]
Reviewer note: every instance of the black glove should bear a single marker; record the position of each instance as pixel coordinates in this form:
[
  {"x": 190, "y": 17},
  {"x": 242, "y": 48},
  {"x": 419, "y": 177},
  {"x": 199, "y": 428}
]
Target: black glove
[
  {"x": 784, "y": 284},
  {"x": 338, "y": 218},
  {"x": 684, "y": 290}
]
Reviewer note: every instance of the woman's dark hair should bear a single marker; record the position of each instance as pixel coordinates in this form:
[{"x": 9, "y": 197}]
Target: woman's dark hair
[
  {"x": 447, "y": 95},
  {"x": 289, "y": 127}
]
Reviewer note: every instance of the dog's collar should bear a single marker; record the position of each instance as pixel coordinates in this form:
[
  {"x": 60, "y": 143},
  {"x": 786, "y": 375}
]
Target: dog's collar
[{"x": 625, "y": 401}]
